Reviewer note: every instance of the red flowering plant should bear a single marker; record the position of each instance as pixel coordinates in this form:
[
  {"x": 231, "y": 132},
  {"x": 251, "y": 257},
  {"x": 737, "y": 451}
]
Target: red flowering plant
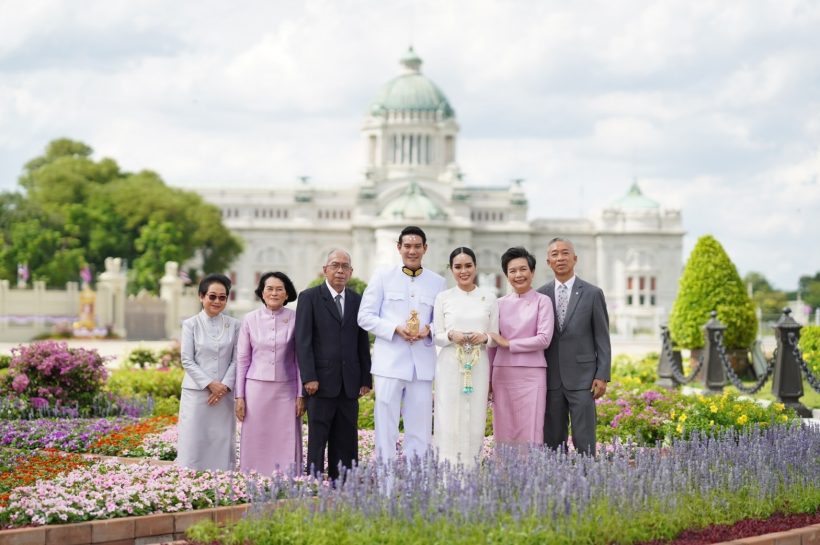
[
  {"x": 23, "y": 469},
  {"x": 49, "y": 372}
]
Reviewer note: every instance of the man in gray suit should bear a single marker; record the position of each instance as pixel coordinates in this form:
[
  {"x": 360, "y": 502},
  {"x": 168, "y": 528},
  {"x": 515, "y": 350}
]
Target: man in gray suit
[{"x": 579, "y": 357}]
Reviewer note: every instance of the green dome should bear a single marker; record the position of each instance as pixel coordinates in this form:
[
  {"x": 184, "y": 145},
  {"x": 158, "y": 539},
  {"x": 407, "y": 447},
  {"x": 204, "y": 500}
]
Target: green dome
[
  {"x": 413, "y": 204},
  {"x": 411, "y": 91},
  {"x": 634, "y": 199}
]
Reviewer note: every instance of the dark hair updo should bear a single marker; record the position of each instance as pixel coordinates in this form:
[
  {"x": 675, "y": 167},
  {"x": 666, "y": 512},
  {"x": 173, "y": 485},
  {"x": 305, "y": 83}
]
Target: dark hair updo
[{"x": 462, "y": 250}]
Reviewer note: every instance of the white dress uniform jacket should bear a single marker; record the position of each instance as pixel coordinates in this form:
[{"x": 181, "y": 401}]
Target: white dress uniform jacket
[{"x": 386, "y": 304}]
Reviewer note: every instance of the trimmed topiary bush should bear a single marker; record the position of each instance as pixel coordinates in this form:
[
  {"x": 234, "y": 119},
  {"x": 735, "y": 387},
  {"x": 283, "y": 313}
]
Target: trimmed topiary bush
[{"x": 710, "y": 282}]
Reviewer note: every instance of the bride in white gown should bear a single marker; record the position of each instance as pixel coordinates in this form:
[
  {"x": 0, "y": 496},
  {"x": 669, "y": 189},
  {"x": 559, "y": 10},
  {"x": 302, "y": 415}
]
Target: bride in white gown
[{"x": 463, "y": 318}]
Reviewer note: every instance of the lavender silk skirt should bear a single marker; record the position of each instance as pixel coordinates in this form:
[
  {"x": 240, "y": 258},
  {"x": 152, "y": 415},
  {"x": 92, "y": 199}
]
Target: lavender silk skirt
[{"x": 271, "y": 433}]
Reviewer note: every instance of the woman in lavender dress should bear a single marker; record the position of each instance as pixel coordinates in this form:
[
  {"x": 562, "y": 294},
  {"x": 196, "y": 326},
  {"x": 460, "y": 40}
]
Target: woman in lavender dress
[
  {"x": 207, "y": 429},
  {"x": 519, "y": 369},
  {"x": 269, "y": 399}
]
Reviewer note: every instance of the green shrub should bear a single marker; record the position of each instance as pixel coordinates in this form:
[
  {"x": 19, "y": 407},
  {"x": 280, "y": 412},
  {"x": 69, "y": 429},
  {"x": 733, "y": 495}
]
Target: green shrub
[
  {"x": 810, "y": 346},
  {"x": 141, "y": 357},
  {"x": 366, "y": 412},
  {"x": 166, "y": 406},
  {"x": 649, "y": 416},
  {"x": 710, "y": 282},
  {"x": 642, "y": 371},
  {"x": 356, "y": 284},
  {"x": 171, "y": 356},
  {"x": 5, "y": 360},
  {"x": 158, "y": 383}
]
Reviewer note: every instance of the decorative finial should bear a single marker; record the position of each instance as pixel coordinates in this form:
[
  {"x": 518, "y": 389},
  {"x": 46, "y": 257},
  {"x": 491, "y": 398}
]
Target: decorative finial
[
  {"x": 787, "y": 311},
  {"x": 411, "y": 61}
]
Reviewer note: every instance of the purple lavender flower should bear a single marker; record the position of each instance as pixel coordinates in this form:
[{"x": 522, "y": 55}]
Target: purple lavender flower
[{"x": 38, "y": 403}]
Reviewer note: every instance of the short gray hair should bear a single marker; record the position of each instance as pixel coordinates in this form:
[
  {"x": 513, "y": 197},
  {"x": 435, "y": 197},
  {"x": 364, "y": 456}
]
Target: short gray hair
[
  {"x": 566, "y": 241},
  {"x": 336, "y": 250}
]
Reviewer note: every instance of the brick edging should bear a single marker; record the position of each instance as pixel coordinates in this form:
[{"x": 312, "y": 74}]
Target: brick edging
[
  {"x": 808, "y": 535},
  {"x": 164, "y": 527}
]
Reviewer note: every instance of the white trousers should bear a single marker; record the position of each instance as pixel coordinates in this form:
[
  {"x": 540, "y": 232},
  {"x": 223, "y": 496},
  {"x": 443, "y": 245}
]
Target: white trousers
[{"x": 414, "y": 401}]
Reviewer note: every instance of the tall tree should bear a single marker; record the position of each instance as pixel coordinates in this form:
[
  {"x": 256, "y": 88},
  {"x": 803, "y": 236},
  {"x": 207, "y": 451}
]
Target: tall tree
[
  {"x": 770, "y": 301},
  {"x": 809, "y": 288},
  {"x": 157, "y": 243},
  {"x": 75, "y": 210}
]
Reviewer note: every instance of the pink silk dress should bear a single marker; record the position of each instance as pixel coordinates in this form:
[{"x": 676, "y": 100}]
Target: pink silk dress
[
  {"x": 267, "y": 377},
  {"x": 519, "y": 373}
]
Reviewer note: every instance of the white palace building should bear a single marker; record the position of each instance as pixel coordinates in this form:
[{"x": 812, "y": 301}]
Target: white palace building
[{"x": 632, "y": 249}]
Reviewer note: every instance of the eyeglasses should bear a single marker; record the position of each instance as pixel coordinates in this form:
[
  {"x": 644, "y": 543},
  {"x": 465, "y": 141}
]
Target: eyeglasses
[
  {"x": 214, "y": 297},
  {"x": 336, "y": 266}
]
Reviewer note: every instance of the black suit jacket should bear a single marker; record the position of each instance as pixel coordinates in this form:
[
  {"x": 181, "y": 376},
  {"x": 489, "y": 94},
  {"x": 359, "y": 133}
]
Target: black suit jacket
[
  {"x": 333, "y": 351},
  {"x": 581, "y": 351}
]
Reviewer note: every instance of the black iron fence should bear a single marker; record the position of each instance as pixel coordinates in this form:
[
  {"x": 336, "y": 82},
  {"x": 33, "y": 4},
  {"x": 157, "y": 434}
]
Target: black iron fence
[{"x": 786, "y": 367}]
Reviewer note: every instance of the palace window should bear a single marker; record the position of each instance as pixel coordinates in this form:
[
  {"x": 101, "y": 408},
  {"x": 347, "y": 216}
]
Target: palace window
[{"x": 641, "y": 290}]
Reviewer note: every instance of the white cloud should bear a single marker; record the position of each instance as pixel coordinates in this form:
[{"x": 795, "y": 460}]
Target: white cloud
[{"x": 711, "y": 105}]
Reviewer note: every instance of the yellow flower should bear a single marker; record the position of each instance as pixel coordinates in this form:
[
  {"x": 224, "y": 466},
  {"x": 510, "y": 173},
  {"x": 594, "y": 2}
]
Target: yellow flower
[
  {"x": 713, "y": 408},
  {"x": 783, "y": 418},
  {"x": 672, "y": 414},
  {"x": 742, "y": 419},
  {"x": 682, "y": 418},
  {"x": 679, "y": 428},
  {"x": 701, "y": 398},
  {"x": 779, "y": 407},
  {"x": 711, "y": 422}
]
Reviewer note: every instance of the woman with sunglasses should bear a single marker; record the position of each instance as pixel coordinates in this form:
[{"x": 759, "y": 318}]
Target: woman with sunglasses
[
  {"x": 207, "y": 429},
  {"x": 269, "y": 400}
]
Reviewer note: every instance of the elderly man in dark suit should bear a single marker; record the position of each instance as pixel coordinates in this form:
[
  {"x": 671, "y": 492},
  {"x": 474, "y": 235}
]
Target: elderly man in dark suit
[
  {"x": 579, "y": 357},
  {"x": 334, "y": 362}
]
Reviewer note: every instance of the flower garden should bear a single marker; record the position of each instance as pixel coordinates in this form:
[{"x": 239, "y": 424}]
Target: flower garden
[{"x": 668, "y": 462}]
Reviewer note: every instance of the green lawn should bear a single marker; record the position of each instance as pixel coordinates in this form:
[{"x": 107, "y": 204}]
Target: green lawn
[{"x": 810, "y": 399}]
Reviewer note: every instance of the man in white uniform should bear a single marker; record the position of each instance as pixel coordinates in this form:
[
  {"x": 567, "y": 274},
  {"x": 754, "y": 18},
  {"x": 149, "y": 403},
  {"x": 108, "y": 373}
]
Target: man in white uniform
[{"x": 403, "y": 362}]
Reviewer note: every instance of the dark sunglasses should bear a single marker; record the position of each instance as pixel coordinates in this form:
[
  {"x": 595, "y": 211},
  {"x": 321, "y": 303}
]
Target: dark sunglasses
[{"x": 214, "y": 297}]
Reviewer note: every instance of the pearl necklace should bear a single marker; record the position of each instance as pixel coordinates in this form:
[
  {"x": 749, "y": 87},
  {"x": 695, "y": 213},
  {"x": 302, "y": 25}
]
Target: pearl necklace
[{"x": 205, "y": 328}]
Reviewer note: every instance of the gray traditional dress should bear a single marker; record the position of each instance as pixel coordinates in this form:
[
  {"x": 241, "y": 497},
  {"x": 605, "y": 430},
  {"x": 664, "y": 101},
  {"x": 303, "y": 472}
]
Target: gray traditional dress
[{"x": 207, "y": 433}]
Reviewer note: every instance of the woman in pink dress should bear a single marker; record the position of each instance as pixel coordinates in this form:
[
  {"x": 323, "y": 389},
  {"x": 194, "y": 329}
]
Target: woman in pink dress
[
  {"x": 519, "y": 369},
  {"x": 269, "y": 399}
]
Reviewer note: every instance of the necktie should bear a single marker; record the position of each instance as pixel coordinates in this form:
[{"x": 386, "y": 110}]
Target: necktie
[
  {"x": 339, "y": 306},
  {"x": 562, "y": 304}
]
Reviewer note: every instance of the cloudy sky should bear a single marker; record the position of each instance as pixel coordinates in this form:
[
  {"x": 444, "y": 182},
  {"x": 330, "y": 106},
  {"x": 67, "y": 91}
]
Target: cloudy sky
[{"x": 714, "y": 107}]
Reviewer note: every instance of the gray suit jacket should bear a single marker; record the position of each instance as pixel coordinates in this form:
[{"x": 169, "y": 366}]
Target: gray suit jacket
[{"x": 581, "y": 351}]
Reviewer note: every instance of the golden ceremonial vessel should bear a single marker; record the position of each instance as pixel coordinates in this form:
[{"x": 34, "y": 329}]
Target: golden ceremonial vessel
[{"x": 413, "y": 323}]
